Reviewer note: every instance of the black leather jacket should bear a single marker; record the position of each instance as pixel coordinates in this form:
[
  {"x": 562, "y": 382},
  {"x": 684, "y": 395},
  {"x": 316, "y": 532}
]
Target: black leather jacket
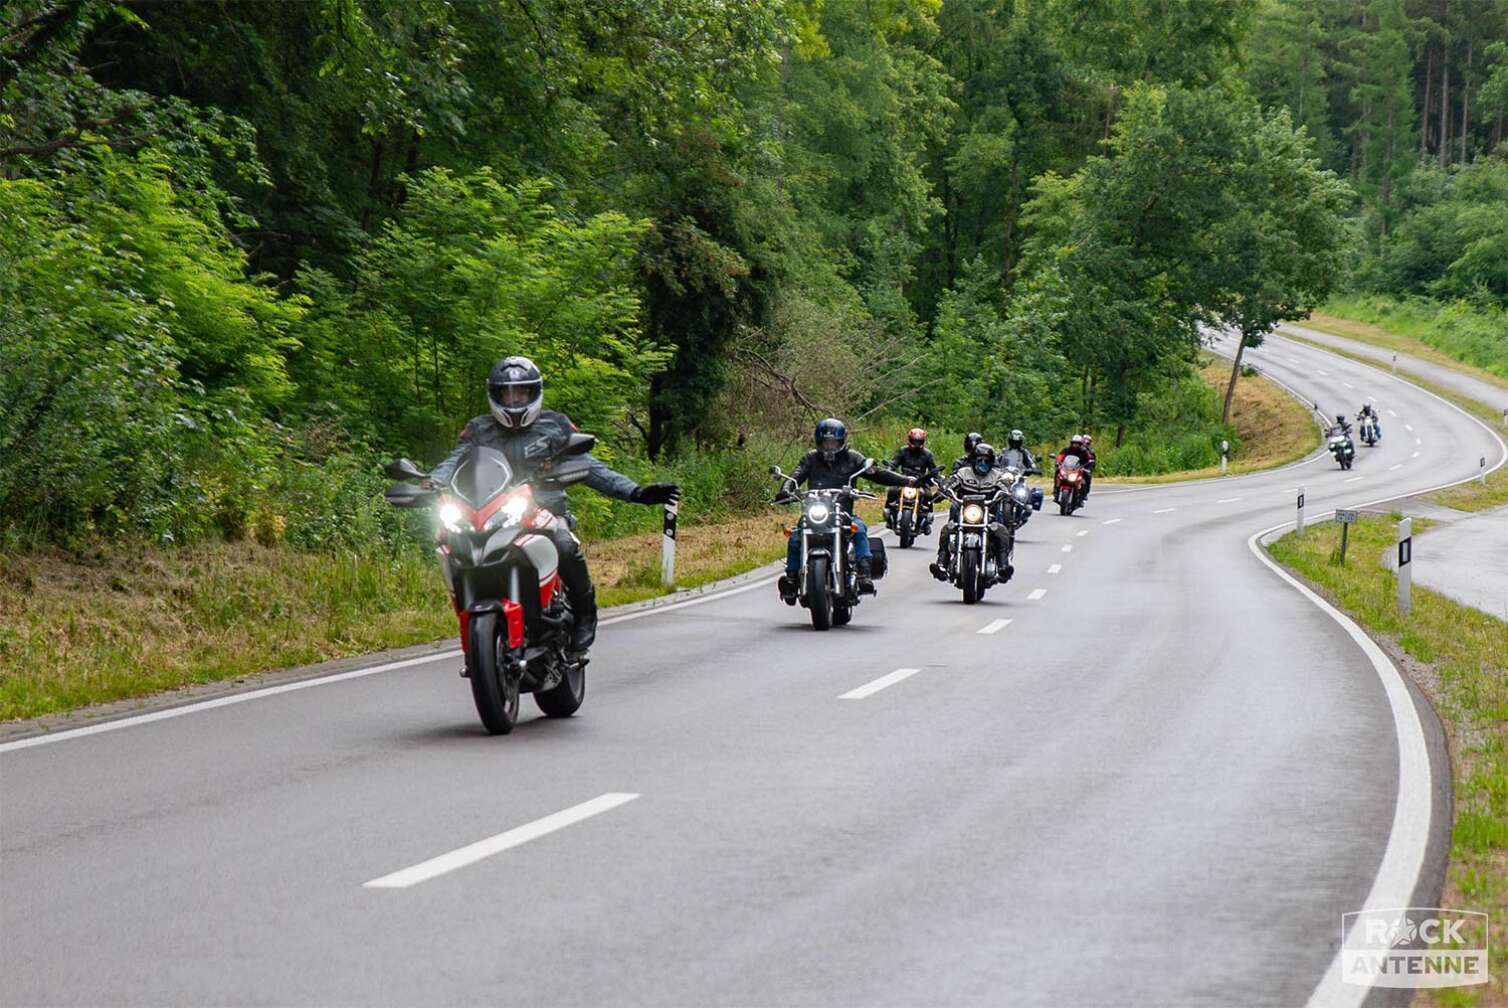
[
  {"x": 913, "y": 462},
  {"x": 525, "y": 449},
  {"x": 820, "y": 474}
]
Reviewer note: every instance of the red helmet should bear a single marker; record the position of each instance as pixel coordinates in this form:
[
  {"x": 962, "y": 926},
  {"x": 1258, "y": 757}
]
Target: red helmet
[{"x": 916, "y": 437}]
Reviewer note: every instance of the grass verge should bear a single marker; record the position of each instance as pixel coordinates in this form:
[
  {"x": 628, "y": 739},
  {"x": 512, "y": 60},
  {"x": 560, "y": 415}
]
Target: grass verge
[
  {"x": 85, "y": 629},
  {"x": 1272, "y": 428},
  {"x": 1459, "y": 657},
  {"x": 1452, "y": 334}
]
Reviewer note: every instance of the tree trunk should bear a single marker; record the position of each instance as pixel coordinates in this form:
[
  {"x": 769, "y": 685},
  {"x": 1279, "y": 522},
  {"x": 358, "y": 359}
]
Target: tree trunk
[
  {"x": 1429, "y": 82},
  {"x": 1235, "y": 372},
  {"x": 1120, "y": 434},
  {"x": 1444, "y": 111},
  {"x": 1465, "y": 101}
]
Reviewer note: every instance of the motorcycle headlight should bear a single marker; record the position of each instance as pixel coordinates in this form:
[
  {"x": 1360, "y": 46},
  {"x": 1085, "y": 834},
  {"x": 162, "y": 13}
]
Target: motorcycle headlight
[
  {"x": 973, "y": 514},
  {"x": 1022, "y": 492},
  {"x": 909, "y": 493},
  {"x": 817, "y": 514},
  {"x": 452, "y": 517}
]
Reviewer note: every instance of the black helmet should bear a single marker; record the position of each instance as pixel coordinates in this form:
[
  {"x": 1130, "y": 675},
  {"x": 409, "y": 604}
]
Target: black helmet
[
  {"x": 1340, "y": 418},
  {"x": 983, "y": 457},
  {"x": 515, "y": 392},
  {"x": 831, "y": 437},
  {"x": 971, "y": 439},
  {"x": 1017, "y": 439},
  {"x": 916, "y": 437}
]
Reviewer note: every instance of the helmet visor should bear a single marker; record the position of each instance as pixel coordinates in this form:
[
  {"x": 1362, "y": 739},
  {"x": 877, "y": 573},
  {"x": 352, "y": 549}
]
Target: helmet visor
[
  {"x": 515, "y": 395},
  {"x": 829, "y": 445}
]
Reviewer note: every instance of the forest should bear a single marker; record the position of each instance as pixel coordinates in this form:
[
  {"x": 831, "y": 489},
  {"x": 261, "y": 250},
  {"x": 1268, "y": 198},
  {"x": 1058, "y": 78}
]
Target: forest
[{"x": 248, "y": 249}]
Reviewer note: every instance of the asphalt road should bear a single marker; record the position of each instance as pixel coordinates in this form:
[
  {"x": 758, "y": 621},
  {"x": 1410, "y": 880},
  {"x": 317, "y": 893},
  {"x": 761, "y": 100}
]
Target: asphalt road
[{"x": 1160, "y": 783}]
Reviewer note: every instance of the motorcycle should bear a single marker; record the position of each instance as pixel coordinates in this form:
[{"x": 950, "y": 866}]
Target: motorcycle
[
  {"x": 1024, "y": 499},
  {"x": 980, "y": 547},
  {"x": 1068, "y": 485},
  {"x": 515, "y": 619},
  {"x": 1368, "y": 430},
  {"x": 827, "y": 585},
  {"x": 909, "y": 514},
  {"x": 1341, "y": 447}
]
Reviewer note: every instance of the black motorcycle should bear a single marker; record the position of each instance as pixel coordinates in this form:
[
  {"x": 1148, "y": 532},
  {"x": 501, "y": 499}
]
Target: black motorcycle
[
  {"x": 981, "y": 546},
  {"x": 1341, "y": 447},
  {"x": 504, "y": 577},
  {"x": 827, "y": 585},
  {"x": 1367, "y": 428},
  {"x": 1024, "y": 499}
]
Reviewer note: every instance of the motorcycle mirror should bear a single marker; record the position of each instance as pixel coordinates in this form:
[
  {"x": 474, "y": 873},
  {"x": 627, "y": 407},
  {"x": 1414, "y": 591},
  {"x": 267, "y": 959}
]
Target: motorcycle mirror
[
  {"x": 401, "y": 469},
  {"x": 774, "y": 470},
  {"x": 580, "y": 444}
]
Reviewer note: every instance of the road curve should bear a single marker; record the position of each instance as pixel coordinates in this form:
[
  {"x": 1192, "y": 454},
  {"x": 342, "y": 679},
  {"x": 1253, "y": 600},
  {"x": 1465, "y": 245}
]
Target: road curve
[{"x": 1161, "y": 782}]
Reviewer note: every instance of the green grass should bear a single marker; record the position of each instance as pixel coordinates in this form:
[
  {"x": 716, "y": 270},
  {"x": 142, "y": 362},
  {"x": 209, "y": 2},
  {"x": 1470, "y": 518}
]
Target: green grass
[
  {"x": 1472, "y": 338},
  {"x": 1465, "y": 654},
  {"x": 1476, "y": 496}
]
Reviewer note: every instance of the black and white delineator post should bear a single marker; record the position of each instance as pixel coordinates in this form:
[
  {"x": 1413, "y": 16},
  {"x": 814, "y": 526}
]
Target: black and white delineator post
[
  {"x": 667, "y": 546},
  {"x": 1482, "y": 469},
  {"x": 1298, "y": 522},
  {"x": 1224, "y": 456},
  {"x": 1405, "y": 565}
]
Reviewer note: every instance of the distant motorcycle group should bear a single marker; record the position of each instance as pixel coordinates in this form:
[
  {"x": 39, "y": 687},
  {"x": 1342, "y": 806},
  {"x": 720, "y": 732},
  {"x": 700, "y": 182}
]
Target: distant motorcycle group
[
  {"x": 1338, "y": 437},
  {"x": 832, "y": 561},
  {"x": 517, "y": 577}
]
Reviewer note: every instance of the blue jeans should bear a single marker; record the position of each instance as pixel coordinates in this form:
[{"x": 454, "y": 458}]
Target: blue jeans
[{"x": 861, "y": 550}]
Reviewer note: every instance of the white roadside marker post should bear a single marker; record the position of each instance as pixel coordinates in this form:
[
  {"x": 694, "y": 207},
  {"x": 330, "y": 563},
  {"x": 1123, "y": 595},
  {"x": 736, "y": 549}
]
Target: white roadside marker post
[
  {"x": 1405, "y": 565},
  {"x": 1298, "y": 525},
  {"x": 1224, "y": 456},
  {"x": 1395, "y": 361},
  {"x": 667, "y": 546},
  {"x": 1482, "y": 469}
]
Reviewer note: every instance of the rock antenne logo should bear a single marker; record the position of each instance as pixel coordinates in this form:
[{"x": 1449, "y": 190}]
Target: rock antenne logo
[{"x": 1414, "y": 947}]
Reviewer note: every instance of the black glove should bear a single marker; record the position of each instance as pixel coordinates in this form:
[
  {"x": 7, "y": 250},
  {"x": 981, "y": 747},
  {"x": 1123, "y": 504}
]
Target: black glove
[{"x": 657, "y": 493}]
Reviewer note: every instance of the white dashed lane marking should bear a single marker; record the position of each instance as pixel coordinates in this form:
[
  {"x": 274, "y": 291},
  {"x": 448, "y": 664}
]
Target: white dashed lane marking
[
  {"x": 875, "y": 685},
  {"x": 995, "y": 627},
  {"x": 1036, "y": 593},
  {"x": 1054, "y": 568}
]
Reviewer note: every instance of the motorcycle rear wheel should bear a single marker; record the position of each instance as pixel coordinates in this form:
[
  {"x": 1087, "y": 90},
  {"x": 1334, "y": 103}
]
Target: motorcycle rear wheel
[
  {"x": 565, "y": 697},
  {"x": 819, "y": 599},
  {"x": 493, "y": 689}
]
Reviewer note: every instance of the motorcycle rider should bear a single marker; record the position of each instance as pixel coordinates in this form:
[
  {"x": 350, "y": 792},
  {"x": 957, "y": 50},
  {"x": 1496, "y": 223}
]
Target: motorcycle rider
[
  {"x": 1018, "y": 456},
  {"x": 1078, "y": 446},
  {"x": 970, "y": 440},
  {"x": 829, "y": 466},
  {"x": 1342, "y": 424},
  {"x": 528, "y": 436},
  {"x": 1368, "y": 412},
  {"x": 913, "y": 458},
  {"x": 982, "y": 471}
]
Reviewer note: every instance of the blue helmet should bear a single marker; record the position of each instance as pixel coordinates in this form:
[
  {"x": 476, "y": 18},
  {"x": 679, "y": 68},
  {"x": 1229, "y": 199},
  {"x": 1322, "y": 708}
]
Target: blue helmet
[{"x": 831, "y": 437}]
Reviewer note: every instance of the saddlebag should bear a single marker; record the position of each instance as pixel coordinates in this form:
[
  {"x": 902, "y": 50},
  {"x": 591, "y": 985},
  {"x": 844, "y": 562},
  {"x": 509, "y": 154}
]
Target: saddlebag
[{"x": 879, "y": 564}]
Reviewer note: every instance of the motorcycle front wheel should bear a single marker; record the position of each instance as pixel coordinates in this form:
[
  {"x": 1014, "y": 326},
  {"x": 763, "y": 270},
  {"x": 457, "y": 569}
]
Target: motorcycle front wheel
[
  {"x": 905, "y": 531},
  {"x": 969, "y": 576},
  {"x": 819, "y": 599},
  {"x": 493, "y": 689}
]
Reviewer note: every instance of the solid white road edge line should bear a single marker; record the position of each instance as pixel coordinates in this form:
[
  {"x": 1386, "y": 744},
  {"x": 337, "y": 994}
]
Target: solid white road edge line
[
  {"x": 474, "y": 852},
  {"x": 1408, "y": 839},
  {"x": 1353, "y": 479},
  {"x": 995, "y": 627},
  {"x": 225, "y": 701},
  {"x": 875, "y": 685},
  {"x": 1036, "y": 593}
]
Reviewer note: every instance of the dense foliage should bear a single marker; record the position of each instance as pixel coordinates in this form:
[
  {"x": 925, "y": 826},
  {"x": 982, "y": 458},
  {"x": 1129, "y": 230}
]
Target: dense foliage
[{"x": 250, "y": 247}]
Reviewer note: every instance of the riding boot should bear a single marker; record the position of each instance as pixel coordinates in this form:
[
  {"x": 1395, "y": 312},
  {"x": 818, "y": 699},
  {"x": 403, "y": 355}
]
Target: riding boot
[
  {"x": 787, "y": 587},
  {"x": 863, "y": 576},
  {"x": 584, "y": 608}
]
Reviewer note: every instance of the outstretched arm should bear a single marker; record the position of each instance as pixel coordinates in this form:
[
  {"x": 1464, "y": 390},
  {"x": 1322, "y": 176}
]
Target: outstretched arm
[{"x": 606, "y": 480}]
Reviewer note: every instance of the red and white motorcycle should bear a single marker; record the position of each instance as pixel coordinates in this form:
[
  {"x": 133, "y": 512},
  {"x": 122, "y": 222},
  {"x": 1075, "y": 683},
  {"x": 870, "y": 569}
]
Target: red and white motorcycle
[{"x": 503, "y": 570}]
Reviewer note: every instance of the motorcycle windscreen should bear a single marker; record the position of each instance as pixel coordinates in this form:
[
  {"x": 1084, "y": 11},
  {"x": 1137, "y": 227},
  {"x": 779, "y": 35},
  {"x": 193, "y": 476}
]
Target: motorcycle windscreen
[{"x": 482, "y": 475}]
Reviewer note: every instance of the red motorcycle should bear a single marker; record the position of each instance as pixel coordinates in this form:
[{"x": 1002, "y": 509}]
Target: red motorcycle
[
  {"x": 504, "y": 577},
  {"x": 1068, "y": 484}
]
